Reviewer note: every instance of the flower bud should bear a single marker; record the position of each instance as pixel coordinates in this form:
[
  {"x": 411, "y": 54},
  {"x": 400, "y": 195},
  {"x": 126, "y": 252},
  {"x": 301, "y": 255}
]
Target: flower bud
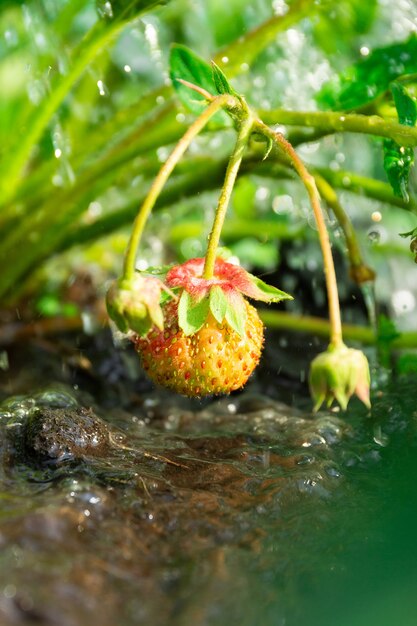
[
  {"x": 337, "y": 374},
  {"x": 134, "y": 304}
]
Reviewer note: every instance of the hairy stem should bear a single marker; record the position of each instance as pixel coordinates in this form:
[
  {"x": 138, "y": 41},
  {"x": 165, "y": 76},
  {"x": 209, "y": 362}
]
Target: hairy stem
[
  {"x": 310, "y": 185},
  {"x": 229, "y": 181},
  {"x": 329, "y": 121},
  {"x": 160, "y": 180}
]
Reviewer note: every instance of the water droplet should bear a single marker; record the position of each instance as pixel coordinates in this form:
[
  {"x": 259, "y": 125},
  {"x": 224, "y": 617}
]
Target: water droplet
[
  {"x": 225, "y": 59},
  {"x": 127, "y": 69},
  {"x": 364, "y": 51},
  {"x": 102, "y": 89},
  {"x": 374, "y": 236},
  {"x": 403, "y": 301},
  {"x": 104, "y": 9},
  {"x": 262, "y": 193}
]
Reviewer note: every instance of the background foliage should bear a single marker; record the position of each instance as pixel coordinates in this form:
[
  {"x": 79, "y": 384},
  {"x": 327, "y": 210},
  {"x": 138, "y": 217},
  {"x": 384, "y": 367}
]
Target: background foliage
[{"x": 89, "y": 114}]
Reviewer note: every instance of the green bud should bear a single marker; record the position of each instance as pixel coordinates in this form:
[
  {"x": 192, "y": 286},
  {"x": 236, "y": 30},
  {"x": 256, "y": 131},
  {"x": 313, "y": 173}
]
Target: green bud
[
  {"x": 133, "y": 305},
  {"x": 337, "y": 374}
]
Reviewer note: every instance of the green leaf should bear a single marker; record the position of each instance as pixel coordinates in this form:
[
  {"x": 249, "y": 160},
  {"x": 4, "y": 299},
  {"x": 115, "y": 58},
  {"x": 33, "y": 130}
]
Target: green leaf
[
  {"x": 191, "y": 314},
  {"x": 272, "y": 293},
  {"x": 221, "y": 83},
  {"x": 236, "y": 317},
  {"x": 340, "y": 22},
  {"x": 397, "y": 164},
  {"x": 405, "y": 104},
  {"x": 218, "y": 303},
  {"x": 398, "y": 160},
  {"x": 370, "y": 77},
  {"x": 186, "y": 65}
]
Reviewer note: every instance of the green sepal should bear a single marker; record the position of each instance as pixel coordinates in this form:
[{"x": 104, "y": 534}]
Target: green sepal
[
  {"x": 411, "y": 233},
  {"x": 220, "y": 81},
  {"x": 236, "y": 316},
  {"x": 192, "y": 314},
  {"x": 218, "y": 303},
  {"x": 269, "y": 146},
  {"x": 272, "y": 294}
]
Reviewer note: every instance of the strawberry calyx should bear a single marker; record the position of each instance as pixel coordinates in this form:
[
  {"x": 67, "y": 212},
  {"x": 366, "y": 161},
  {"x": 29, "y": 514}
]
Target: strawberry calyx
[
  {"x": 134, "y": 304},
  {"x": 221, "y": 296}
]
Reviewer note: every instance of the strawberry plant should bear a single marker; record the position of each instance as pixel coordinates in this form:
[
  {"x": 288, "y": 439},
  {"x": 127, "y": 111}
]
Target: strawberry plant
[{"x": 205, "y": 338}]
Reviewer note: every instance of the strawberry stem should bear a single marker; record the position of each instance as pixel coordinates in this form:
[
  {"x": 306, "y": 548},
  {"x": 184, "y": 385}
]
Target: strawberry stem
[
  {"x": 310, "y": 185},
  {"x": 139, "y": 224},
  {"x": 245, "y": 129}
]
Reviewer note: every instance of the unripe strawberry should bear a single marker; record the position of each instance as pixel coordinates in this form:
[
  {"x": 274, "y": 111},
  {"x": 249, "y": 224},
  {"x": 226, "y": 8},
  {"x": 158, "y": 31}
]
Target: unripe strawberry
[
  {"x": 213, "y": 360},
  {"x": 337, "y": 374},
  {"x": 212, "y": 337},
  {"x": 133, "y": 304}
]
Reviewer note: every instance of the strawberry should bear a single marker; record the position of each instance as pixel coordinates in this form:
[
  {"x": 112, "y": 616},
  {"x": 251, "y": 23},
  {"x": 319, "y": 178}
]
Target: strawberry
[
  {"x": 214, "y": 360},
  {"x": 212, "y": 337}
]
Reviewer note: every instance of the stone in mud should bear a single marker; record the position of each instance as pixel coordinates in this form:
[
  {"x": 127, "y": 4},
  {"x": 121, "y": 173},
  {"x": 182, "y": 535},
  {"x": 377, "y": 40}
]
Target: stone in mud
[{"x": 60, "y": 434}]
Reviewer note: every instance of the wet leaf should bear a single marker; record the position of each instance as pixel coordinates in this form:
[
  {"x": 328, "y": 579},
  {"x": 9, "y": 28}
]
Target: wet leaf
[
  {"x": 340, "y": 22},
  {"x": 398, "y": 160},
  {"x": 405, "y": 104},
  {"x": 370, "y": 77},
  {"x": 186, "y": 65}
]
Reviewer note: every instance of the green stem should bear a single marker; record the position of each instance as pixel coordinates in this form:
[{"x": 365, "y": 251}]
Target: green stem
[
  {"x": 359, "y": 271},
  {"x": 310, "y": 185},
  {"x": 372, "y": 188},
  {"x": 160, "y": 180},
  {"x": 330, "y": 121},
  {"x": 321, "y": 327},
  {"x": 235, "y": 160}
]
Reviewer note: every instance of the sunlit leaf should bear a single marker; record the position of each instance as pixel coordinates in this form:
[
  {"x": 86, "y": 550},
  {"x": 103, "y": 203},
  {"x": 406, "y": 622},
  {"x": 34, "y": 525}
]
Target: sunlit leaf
[{"x": 186, "y": 65}]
